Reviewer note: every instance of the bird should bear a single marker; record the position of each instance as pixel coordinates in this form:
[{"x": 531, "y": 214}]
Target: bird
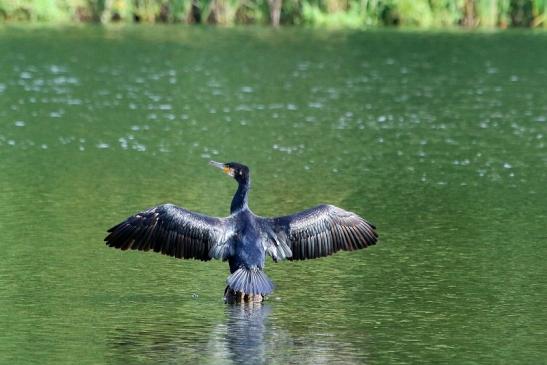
[{"x": 243, "y": 238}]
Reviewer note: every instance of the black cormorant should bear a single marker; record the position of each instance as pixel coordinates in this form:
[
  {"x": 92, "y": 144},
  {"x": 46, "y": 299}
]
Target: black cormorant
[{"x": 243, "y": 238}]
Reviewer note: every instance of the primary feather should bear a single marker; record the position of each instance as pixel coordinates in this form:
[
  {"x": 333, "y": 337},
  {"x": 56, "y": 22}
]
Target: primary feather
[{"x": 173, "y": 231}]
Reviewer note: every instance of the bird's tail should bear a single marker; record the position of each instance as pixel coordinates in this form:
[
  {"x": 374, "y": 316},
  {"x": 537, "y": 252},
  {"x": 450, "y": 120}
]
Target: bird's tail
[{"x": 250, "y": 281}]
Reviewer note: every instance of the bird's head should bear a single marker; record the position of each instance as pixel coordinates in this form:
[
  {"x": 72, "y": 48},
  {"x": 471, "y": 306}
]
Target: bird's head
[{"x": 236, "y": 170}]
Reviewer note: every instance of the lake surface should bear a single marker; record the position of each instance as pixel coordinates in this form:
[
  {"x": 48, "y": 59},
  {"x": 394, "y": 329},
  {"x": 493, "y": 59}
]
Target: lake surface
[{"x": 437, "y": 138}]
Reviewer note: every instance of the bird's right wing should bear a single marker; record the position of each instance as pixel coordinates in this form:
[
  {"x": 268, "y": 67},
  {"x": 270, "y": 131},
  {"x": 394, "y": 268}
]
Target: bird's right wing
[
  {"x": 317, "y": 232},
  {"x": 173, "y": 231}
]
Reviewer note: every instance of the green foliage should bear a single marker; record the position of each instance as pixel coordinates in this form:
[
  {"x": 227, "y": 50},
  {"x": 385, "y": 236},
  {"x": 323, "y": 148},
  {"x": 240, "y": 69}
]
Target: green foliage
[
  {"x": 488, "y": 13},
  {"x": 503, "y": 13},
  {"x": 329, "y": 13},
  {"x": 291, "y": 12},
  {"x": 415, "y": 13},
  {"x": 521, "y": 13},
  {"x": 446, "y": 12},
  {"x": 316, "y": 15},
  {"x": 36, "y": 11}
]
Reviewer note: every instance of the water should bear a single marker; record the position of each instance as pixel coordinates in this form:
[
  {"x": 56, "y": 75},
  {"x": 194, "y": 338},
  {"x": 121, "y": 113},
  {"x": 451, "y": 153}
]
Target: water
[{"x": 438, "y": 138}]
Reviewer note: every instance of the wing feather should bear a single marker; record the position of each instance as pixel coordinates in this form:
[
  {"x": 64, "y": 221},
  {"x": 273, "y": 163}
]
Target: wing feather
[
  {"x": 173, "y": 231},
  {"x": 318, "y": 232}
]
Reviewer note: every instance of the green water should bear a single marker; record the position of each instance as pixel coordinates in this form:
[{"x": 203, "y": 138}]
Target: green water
[{"x": 437, "y": 138}]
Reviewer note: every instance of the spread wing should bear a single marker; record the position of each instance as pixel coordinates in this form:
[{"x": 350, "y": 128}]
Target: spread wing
[
  {"x": 317, "y": 232},
  {"x": 173, "y": 231}
]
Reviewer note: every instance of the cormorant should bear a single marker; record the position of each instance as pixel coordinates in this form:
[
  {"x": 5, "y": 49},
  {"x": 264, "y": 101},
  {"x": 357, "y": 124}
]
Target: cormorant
[{"x": 243, "y": 238}]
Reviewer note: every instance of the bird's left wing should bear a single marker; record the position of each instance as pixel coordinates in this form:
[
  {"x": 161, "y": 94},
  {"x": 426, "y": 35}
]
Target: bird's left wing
[
  {"x": 173, "y": 231},
  {"x": 317, "y": 232}
]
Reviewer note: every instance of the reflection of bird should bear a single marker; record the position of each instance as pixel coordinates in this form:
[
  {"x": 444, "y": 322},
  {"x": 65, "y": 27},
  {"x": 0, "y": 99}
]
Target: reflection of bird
[
  {"x": 247, "y": 333},
  {"x": 243, "y": 238}
]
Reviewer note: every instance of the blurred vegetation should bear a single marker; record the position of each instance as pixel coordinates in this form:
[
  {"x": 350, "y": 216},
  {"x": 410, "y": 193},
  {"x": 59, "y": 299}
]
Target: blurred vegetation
[{"x": 330, "y": 13}]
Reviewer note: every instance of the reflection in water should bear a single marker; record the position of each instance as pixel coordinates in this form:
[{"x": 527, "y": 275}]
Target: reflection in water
[
  {"x": 246, "y": 328},
  {"x": 250, "y": 334}
]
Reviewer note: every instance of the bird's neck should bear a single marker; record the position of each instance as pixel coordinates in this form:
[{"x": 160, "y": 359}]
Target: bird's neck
[{"x": 240, "y": 199}]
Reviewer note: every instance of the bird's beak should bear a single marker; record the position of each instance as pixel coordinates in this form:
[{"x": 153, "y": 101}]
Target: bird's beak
[{"x": 227, "y": 170}]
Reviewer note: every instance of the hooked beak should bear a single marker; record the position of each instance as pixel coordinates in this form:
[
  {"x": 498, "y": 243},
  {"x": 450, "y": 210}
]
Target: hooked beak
[{"x": 219, "y": 165}]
